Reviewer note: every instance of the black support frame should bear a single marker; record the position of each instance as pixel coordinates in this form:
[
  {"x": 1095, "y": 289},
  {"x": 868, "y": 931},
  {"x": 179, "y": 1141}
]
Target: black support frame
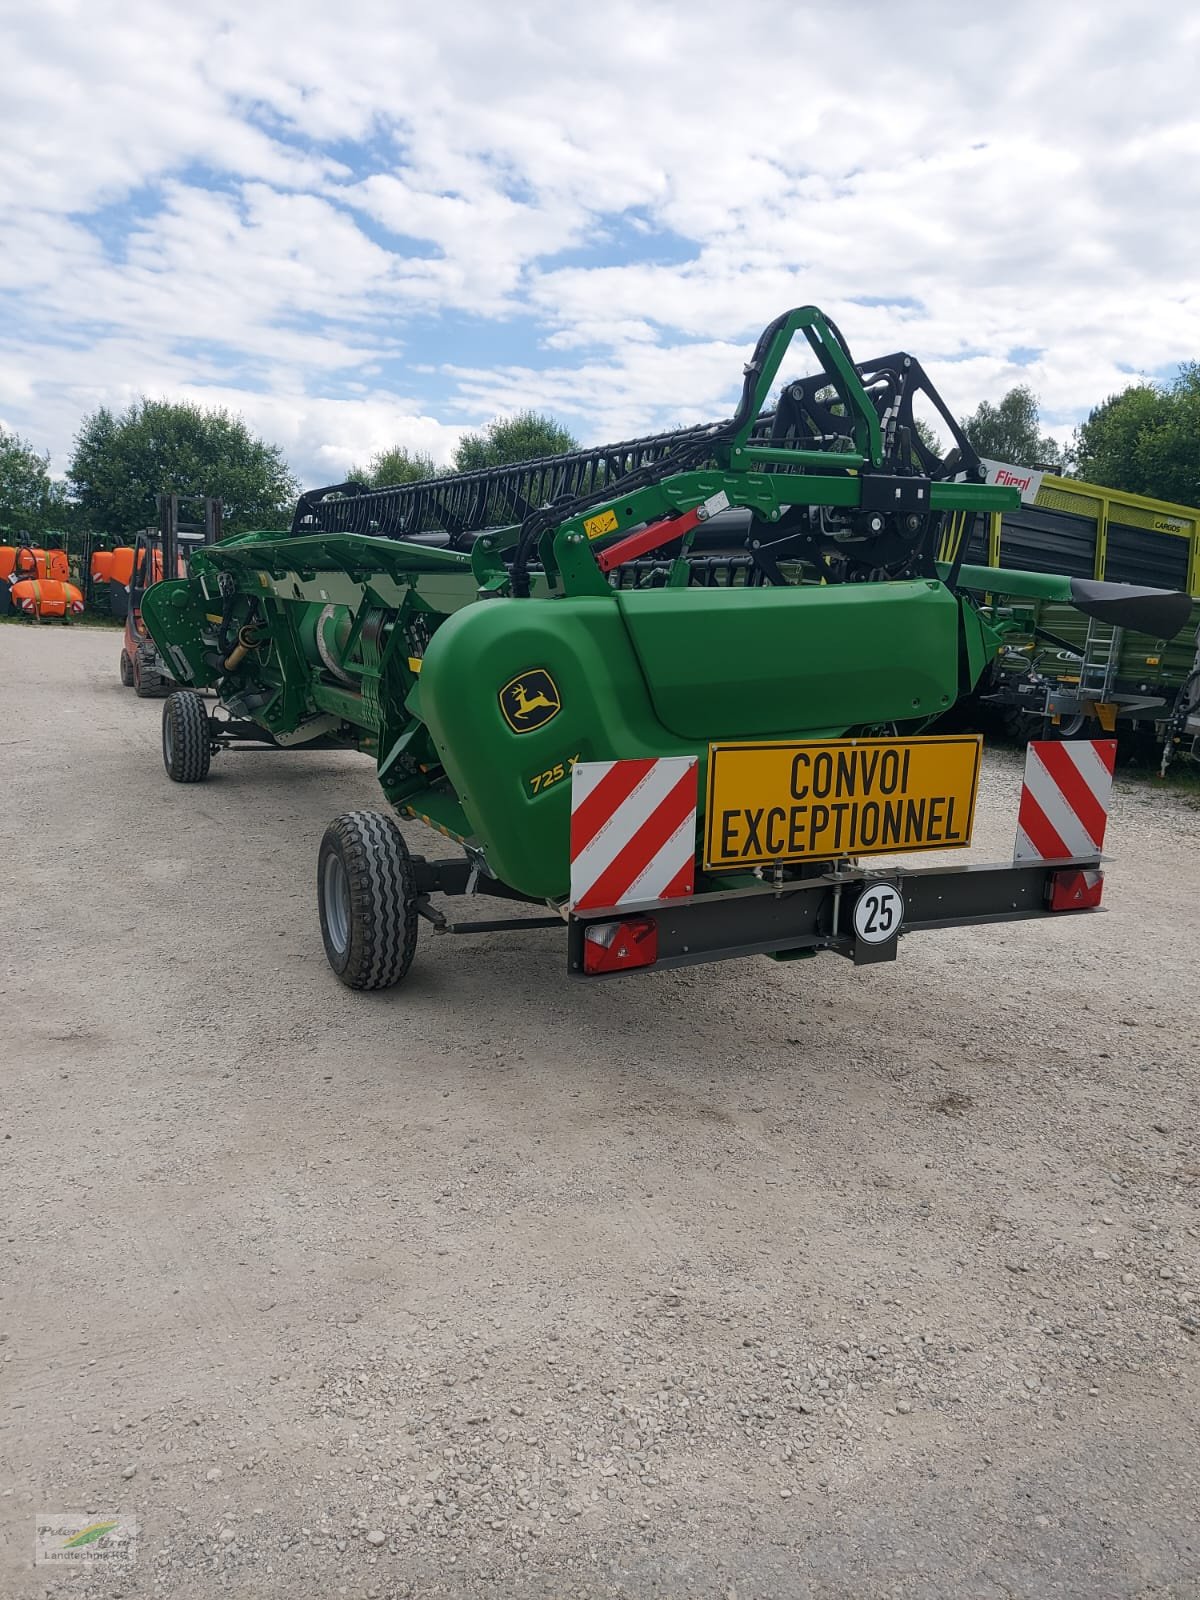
[
  {"x": 800, "y": 916},
  {"x": 815, "y": 913}
]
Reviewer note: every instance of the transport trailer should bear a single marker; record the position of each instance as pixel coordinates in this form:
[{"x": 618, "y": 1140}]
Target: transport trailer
[
  {"x": 1063, "y": 675},
  {"x": 1084, "y": 530},
  {"x": 672, "y": 695}
]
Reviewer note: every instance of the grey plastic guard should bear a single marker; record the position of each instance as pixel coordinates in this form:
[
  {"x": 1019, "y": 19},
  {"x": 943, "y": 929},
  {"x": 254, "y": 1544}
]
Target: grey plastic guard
[{"x": 1160, "y": 612}]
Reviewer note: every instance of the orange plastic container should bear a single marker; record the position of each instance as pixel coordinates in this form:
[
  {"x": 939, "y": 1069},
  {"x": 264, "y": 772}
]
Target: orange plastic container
[
  {"x": 30, "y": 562},
  {"x": 122, "y": 564},
  {"x": 8, "y": 560},
  {"x": 47, "y": 597},
  {"x": 101, "y": 566}
]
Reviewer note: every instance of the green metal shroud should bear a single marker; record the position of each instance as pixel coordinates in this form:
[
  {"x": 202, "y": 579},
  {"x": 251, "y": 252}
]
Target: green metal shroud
[{"x": 475, "y": 699}]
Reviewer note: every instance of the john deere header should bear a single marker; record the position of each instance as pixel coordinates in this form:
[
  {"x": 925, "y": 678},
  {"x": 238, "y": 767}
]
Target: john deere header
[{"x": 492, "y": 638}]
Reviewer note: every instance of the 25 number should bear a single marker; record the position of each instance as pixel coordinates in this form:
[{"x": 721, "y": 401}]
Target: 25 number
[
  {"x": 880, "y": 915},
  {"x": 877, "y": 913}
]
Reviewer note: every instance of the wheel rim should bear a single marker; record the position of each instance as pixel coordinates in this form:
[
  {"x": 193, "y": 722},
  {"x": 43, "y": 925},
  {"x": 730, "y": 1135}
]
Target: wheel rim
[{"x": 335, "y": 891}]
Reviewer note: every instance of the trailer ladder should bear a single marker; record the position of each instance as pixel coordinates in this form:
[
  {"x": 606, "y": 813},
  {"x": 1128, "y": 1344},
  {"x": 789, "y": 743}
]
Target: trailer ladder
[{"x": 1098, "y": 666}]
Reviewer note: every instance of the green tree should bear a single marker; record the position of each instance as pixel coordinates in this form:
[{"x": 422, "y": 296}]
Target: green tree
[
  {"x": 121, "y": 463},
  {"x": 31, "y": 502},
  {"x": 1146, "y": 440},
  {"x": 927, "y": 436},
  {"x": 508, "y": 440},
  {"x": 1011, "y": 431},
  {"x": 397, "y": 465}
]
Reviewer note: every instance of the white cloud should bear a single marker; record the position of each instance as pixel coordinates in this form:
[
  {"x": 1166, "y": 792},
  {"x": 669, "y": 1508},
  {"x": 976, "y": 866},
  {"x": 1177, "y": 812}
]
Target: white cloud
[
  {"x": 323, "y": 217},
  {"x": 333, "y": 434}
]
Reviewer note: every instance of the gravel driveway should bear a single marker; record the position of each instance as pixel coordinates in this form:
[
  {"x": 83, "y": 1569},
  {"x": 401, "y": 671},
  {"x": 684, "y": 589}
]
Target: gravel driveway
[{"x": 742, "y": 1281}]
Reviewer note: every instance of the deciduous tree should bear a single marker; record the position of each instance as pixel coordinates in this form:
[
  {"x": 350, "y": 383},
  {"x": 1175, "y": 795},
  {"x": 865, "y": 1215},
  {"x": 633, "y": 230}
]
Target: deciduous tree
[
  {"x": 1146, "y": 440},
  {"x": 121, "y": 463},
  {"x": 1011, "y": 431},
  {"x": 507, "y": 440},
  {"x": 32, "y": 503},
  {"x": 398, "y": 465}
]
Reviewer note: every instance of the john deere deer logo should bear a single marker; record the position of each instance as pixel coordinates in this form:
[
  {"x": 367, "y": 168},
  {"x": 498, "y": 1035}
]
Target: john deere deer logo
[{"x": 530, "y": 701}]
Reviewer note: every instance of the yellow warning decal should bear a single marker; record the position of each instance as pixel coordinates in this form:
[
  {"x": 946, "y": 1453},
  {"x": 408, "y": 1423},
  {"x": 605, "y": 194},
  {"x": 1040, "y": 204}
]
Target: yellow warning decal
[
  {"x": 605, "y": 522},
  {"x": 414, "y": 663},
  {"x": 815, "y": 801}
]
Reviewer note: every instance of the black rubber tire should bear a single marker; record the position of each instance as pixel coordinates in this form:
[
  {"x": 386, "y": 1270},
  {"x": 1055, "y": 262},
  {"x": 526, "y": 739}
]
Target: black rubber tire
[
  {"x": 126, "y": 670},
  {"x": 367, "y": 900},
  {"x": 147, "y": 684},
  {"x": 1019, "y": 726},
  {"x": 187, "y": 752}
]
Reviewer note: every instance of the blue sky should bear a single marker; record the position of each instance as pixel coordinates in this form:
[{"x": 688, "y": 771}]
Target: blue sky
[{"x": 383, "y": 224}]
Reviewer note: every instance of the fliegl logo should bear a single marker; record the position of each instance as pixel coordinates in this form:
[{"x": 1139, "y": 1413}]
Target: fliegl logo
[{"x": 530, "y": 700}]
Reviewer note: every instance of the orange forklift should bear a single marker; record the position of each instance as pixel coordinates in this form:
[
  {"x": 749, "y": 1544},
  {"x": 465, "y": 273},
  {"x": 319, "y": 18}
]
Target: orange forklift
[{"x": 166, "y": 549}]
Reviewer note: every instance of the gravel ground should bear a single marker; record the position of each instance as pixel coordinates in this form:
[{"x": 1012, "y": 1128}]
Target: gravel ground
[{"x": 744, "y": 1281}]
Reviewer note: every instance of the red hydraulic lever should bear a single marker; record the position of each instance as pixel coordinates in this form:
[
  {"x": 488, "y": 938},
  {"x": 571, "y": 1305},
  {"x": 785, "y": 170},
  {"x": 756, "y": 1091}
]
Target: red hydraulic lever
[{"x": 649, "y": 539}]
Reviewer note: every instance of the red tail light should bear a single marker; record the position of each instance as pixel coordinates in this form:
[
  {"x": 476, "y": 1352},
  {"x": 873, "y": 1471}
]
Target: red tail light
[
  {"x": 1076, "y": 889},
  {"x": 618, "y": 946}
]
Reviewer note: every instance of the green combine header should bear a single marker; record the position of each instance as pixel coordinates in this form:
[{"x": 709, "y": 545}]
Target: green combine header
[{"x": 670, "y": 691}]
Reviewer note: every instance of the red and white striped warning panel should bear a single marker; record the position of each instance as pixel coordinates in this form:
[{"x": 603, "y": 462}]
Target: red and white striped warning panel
[
  {"x": 1064, "y": 799},
  {"x": 633, "y": 831}
]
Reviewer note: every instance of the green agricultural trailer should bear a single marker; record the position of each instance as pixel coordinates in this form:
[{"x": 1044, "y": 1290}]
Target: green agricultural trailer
[
  {"x": 1064, "y": 675},
  {"x": 674, "y": 693}
]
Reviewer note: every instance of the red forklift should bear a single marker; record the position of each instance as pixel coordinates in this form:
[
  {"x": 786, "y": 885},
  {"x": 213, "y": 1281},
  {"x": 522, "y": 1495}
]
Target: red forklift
[{"x": 165, "y": 550}]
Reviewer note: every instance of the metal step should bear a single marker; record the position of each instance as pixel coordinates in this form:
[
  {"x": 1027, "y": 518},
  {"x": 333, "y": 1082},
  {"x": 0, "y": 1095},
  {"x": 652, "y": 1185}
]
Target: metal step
[{"x": 1098, "y": 666}]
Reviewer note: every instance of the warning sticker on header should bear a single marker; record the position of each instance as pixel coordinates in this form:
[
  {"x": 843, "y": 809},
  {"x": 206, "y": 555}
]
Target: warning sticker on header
[
  {"x": 772, "y": 803},
  {"x": 603, "y": 522}
]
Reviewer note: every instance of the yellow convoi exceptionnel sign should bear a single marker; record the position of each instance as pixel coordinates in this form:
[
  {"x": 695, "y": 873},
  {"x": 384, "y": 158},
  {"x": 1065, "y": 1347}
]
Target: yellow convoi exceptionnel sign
[{"x": 848, "y": 797}]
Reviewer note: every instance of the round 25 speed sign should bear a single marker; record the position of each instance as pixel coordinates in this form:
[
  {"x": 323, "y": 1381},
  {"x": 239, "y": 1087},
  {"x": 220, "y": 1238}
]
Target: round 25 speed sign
[{"x": 878, "y": 913}]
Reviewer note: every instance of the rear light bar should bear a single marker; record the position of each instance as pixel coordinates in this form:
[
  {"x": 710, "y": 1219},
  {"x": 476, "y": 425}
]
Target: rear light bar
[
  {"x": 619, "y": 946},
  {"x": 1076, "y": 889}
]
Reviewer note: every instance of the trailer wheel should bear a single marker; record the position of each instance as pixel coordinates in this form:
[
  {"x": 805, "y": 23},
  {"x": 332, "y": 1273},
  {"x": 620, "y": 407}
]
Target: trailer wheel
[
  {"x": 367, "y": 898},
  {"x": 187, "y": 752},
  {"x": 1018, "y": 725},
  {"x": 126, "y": 670}
]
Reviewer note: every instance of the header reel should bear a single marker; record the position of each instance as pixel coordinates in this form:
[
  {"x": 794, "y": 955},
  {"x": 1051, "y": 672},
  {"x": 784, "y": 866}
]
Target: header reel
[{"x": 847, "y": 421}]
